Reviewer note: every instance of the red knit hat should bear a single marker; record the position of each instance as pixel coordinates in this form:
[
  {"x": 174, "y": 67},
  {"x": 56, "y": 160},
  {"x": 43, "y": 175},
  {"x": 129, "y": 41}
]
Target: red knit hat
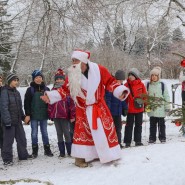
[{"x": 60, "y": 74}]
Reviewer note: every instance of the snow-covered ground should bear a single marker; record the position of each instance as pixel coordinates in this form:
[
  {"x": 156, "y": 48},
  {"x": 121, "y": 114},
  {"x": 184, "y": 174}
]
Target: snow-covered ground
[{"x": 157, "y": 164}]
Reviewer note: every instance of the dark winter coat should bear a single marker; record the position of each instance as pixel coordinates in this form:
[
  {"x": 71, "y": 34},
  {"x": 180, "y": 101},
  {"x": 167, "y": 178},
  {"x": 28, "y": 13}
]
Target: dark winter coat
[
  {"x": 138, "y": 88},
  {"x": 64, "y": 108},
  {"x": 11, "y": 106},
  {"x": 33, "y": 105},
  {"x": 115, "y": 105}
]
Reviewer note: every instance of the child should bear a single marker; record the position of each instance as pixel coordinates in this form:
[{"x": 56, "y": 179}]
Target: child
[
  {"x": 62, "y": 113},
  {"x": 36, "y": 111},
  {"x": 135, "y": 114},
  {"x": 116, "y": 106},
  {"x": 158, "y": 89},
  {"x": 12, "y": 116}
]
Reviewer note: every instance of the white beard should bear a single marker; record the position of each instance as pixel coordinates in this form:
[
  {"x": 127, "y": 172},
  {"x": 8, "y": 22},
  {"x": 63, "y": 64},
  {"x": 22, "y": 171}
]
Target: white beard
[{"x": 74, "y": 76}]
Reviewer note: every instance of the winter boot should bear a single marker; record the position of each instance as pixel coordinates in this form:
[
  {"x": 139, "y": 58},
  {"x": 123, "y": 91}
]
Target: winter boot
[
  {"x": 61, "y": 149},
  {"x": 8, "y": 163},
  {"x": 138, "y": 144},
  {"x": 81, "y": 163},
  {"x": 127, "y": 145},
  {"x": 151, "y": 141},
  {"x": 163, "y": 140},
  {"x": 47, "y": 151},
  {"x": 35, "y": 151},
  {"x": 68, "y": 147}
]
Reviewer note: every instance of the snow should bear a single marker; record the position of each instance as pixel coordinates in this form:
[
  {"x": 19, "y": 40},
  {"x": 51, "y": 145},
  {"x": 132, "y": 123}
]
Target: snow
[{"x": 156, "y": 164}]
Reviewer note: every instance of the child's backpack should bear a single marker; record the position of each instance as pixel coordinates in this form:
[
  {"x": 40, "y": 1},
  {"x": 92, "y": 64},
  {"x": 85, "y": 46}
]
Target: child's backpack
[{"x": 162, "y": 86}]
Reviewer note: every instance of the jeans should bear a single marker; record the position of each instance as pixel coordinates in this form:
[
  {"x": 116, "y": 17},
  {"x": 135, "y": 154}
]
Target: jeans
[{"x": 43, "y": 129}]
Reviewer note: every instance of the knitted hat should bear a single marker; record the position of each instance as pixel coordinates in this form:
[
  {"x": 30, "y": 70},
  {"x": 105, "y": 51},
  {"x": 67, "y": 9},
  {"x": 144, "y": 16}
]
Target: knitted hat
[
  {"x": 36, "y": 73},
  {"x": 120, "y": 75},
  {"x": 156, "y": 71},
  {"x": 81, "y": 55},
  {"x": 10, "y": 77},
  {"x": 135, "y": 72},
  {"x": 59, "y": 74}
]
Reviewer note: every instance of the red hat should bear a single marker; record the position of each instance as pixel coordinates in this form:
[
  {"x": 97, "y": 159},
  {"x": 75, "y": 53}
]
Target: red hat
[
  {"x": 60, "y": 74},
  {"x": 81, "y": 55},
  {"x": 183, "y": 63}
]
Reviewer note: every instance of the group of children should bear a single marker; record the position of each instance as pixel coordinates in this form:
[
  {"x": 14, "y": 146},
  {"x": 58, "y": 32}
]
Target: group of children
[
  {"x": 62, "y": 113},
  {"x": 36, "y": 114},
  {"x": 135, "y": 111}
]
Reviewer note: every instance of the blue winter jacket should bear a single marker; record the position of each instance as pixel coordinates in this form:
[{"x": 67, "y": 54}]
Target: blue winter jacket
[{"x": 115, "y": 105}]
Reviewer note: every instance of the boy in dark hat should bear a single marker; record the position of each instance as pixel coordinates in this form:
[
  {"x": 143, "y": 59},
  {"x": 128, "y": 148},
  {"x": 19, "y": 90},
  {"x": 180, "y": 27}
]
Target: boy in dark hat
[
  {"x": 12, "y": 117},
  {"x": 116, "y": 106},
  {"x": 36, "y": 112}
]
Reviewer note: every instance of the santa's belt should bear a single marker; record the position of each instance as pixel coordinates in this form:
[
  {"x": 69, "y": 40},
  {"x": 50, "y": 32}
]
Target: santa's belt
[{"x": 96, "y": 113}]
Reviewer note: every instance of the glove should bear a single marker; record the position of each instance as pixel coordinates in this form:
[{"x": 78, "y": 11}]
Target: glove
[{"x": 8, "y": 127}]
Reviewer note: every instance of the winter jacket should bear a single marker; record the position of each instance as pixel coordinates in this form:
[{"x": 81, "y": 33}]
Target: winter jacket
[
  {"x": 155, "y": 90},
  {"x": 115, "y": 105},
  {"x": 33, "y": 105},
  {"x": 64, "y": 108},
  {"x": 11, "y": 106},
  {"x": 138, "y": 88}
]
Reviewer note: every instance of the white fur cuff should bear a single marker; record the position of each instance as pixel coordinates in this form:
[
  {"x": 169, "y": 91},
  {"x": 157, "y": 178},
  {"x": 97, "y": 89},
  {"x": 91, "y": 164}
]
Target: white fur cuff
[
  {"x": 54, "y": 96},
  {"x": 119, "y": 90}
]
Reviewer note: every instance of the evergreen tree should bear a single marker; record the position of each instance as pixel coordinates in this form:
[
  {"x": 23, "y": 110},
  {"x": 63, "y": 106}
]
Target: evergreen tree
[
  {"x": 120, "y": 37},
  {"x": 6, "y": 31},
  {"x": 177, "y": 35}
]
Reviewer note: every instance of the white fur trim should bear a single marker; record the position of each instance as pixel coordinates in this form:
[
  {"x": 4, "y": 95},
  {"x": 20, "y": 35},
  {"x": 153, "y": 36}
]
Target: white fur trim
[
  {"x": 80, "y": 55},
  {"x": 93, "y": 82},
  {"x": 54, "y": 96},
  {"x": 84, "y": 151},
  {"x": 84, "y": 82},
  {"x": 101, "y": 149},
  {"x": 119, "y": 90}
]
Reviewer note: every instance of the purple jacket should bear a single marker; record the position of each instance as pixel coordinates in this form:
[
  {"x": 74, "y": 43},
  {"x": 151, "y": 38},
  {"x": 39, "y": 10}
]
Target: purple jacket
[{"x": 62, "y": 109}]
